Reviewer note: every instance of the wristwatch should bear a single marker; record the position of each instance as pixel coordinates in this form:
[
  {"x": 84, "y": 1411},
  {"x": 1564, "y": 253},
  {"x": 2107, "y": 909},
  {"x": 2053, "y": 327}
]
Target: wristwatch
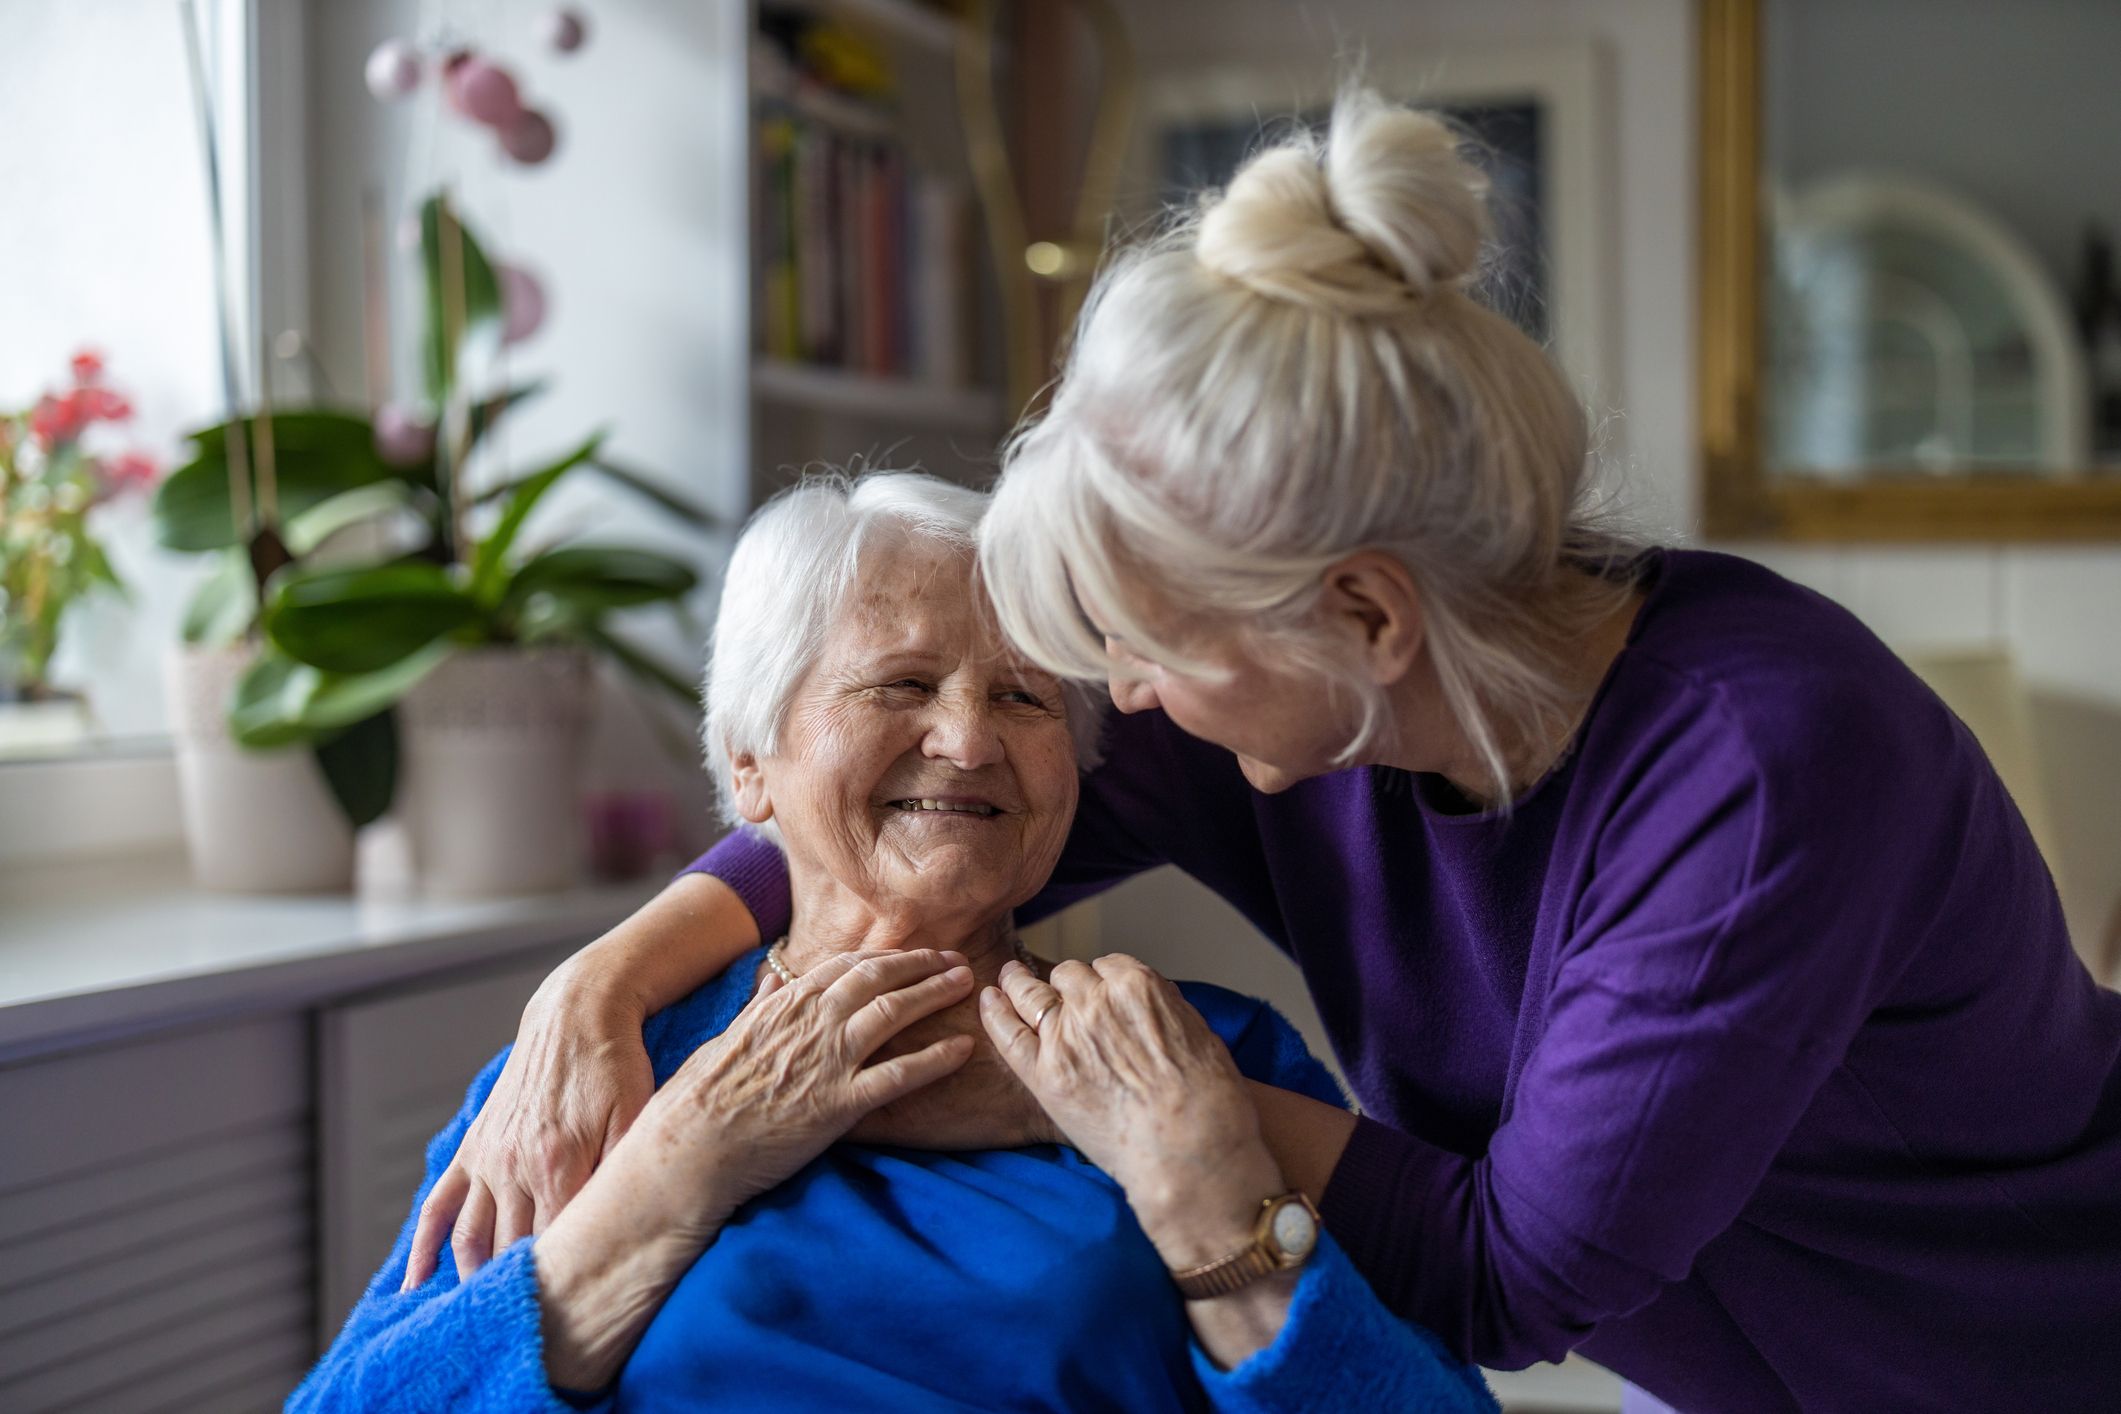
[{"x": 1283, "y": 1239}]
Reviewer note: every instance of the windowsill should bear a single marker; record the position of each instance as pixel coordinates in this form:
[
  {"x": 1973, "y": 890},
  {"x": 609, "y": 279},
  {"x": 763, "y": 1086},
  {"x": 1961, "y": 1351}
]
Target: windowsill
[{"x": 95, "y": 948}]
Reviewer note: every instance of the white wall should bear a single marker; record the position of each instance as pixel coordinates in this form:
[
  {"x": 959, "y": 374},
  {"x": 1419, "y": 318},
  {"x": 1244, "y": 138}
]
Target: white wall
[{"x": 637, "y": 229}]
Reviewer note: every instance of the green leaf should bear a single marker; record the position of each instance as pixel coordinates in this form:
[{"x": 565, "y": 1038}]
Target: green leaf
[
  {"x": 644, "y": 666},
  {"x": 457, "y": 319},
  {"x": 683, "y": 747},
  {"x": 490, "y": 558},
  {"x": 635, "y": 481},
  {"x": 641, "y": 485},
  {"x": 225, "y": 604},
  {"x": 490, "y": 411},
  {"x": 319, "y": 523},
  {"x": 270, "y": 700},
  {"x": 364, "y": 619},
  {"x": 281, "y": 702},
  {"x": 590, "y": 579},
  {"x": 342, "y": 699},
  {"x": 95, "y": 567},
  {"x": 316, "y": 455},
  {"x": 360, "y": 765}
]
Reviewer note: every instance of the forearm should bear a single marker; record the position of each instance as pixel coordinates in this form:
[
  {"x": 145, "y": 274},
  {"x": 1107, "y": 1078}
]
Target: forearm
[
  {"x": 1305, "y": 1136},
  {"x": 604, "y": 1269},
  {"x": 691, "y": 931},
  {"x": 1206, "y": 1213}
]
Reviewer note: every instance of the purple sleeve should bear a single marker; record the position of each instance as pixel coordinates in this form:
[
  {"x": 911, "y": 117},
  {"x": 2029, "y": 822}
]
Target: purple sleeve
[
  {"x": 1146, "y": 804},
  {"x": 753, "y": 866},
  {"x": 1724, "y": 953}
]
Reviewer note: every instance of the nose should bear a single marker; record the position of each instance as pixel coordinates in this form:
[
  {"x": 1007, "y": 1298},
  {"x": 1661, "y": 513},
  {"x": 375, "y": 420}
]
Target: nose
[{"x": 962, "y": 732}]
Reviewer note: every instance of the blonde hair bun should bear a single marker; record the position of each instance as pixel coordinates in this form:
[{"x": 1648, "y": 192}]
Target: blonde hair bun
[{"x": 1381, "y": 212}]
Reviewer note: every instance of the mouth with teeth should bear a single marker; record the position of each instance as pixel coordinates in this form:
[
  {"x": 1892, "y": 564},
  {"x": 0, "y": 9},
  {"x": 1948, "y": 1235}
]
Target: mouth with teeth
[{"x": 922, "y": 805}]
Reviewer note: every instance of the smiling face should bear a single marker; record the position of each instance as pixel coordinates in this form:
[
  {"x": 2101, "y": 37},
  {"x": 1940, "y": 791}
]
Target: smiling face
[{"x": 925, "y": 778}]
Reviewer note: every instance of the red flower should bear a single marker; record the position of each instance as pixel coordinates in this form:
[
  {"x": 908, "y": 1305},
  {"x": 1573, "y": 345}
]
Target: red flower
[
  {"x": 56, "y": 420},
  {"x": 129, "y": 471},
  {"x": 103, "y": 405},
  {"x": 88, "y": 366}
]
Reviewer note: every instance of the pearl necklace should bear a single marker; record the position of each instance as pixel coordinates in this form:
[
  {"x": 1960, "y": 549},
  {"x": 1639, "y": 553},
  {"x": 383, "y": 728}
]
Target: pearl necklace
[{"x": 776, "y": 957}]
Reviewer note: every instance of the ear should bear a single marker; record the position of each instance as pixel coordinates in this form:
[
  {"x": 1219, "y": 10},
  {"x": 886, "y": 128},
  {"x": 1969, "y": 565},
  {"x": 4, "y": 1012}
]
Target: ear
[
  {"x": 1372, "y": 603},
  {"x": 753, "y": 801}
]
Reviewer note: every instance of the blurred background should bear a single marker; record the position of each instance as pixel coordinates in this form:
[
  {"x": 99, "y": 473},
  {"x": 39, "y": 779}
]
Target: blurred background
[{"x": 383, "y": 381}]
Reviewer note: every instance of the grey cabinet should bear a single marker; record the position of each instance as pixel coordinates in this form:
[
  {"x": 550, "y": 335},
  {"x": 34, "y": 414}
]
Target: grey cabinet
[{"x": 186, "y": 1218}]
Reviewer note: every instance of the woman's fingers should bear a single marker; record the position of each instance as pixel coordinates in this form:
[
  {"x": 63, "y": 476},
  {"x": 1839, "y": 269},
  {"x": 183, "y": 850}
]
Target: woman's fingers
[
  {"x": 885, "y": 1016},
  {"x": 823, "y": 977},
  {"x": 1011, "y": 1034},
  {"x": 514, "y": 1214},
  {"x": 1115, "y": 966},
  {"x": 877, "y": 973},
  {"x": 880, "y": 1084},
  {"x": 472, "y": 1242},
  {"x": 1035, "y": 1001},
  {"x": 438, "y": 1215},
  {"x": 1075, "y": 981}
]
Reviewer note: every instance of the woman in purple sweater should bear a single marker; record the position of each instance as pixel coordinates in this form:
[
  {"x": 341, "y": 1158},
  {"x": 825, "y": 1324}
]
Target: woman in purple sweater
[{"x": 1710, "y": 1006}]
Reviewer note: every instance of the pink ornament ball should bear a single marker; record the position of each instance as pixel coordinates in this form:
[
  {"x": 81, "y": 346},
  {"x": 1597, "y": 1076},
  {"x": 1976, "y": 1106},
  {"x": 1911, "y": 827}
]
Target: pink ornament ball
[
  {"x": 522, "y": 304},
  {"x": 530, "y": 139},
  {"x": 453, "y": 65},
  {"x": 486, "y": 93},
  {"x": 402, "y": 439},
  {"x": 393, "y": 70},
  {"x": 564, "y": 30}
]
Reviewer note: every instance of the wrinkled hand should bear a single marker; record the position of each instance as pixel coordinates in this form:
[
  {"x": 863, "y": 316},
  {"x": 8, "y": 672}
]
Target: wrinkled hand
[
  {"x": 981, "y": 1105},
  {"x": 577, "y": 1078},
  {"x": 744, "y": 1112},
  {"x": 1133, "y": 1076},
  {"x": 793, "y": 1072}
]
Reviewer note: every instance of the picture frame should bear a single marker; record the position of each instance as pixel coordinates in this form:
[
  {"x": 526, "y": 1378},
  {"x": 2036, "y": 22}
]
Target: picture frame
[{"x": 1557, "y": 185}]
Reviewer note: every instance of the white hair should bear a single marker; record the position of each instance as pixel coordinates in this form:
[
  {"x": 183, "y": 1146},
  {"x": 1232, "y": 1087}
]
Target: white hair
[
  {"x": 788, "y": 579},
  {"x": 1291, "y": 372}
]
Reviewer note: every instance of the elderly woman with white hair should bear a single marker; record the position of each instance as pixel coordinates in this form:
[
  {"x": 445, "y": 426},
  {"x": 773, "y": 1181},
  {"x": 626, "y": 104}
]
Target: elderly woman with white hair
[
  {"x": 731, "y": 1251},
  {"x": 1709, "y": 1003}
]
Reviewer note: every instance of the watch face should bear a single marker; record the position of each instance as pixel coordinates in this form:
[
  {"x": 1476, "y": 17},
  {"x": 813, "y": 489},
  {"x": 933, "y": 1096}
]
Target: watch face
[{"x": 1294, "y": 1230}]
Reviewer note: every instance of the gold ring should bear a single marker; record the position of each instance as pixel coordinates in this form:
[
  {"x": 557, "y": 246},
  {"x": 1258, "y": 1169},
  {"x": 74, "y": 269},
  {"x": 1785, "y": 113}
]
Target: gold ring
[{"x": 1043, "y": 1012}]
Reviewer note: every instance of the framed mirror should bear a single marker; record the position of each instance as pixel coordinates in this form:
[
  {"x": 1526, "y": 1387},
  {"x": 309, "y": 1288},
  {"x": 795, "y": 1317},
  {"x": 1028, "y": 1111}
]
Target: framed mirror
[{"x": 1910, "y": 297}]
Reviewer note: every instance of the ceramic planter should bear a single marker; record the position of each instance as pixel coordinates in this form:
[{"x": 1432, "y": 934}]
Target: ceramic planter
[
  {"x": 255, "y": 821},
  {"x": 492, "y": 748}
]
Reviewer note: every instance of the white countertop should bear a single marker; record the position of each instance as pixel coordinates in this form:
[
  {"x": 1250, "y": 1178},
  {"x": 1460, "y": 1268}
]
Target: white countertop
[{"x": 95, "y": 948}]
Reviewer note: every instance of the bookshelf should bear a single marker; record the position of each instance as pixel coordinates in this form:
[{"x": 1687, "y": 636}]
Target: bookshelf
[
  {"x": 832, "y": 390},
  {"x": 873, "y": 333}
]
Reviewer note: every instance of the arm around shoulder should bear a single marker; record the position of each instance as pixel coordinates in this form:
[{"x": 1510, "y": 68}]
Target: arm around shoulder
[{"x": 444, "y": 1344}]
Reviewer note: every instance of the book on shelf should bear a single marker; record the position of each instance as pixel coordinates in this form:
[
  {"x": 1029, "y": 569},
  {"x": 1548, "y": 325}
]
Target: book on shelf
[{"x": 863, "y": 260}]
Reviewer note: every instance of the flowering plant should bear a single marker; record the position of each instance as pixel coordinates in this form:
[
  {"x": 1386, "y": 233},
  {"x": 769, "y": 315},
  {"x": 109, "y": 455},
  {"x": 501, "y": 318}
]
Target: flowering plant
[{"x": 49, "y": 483}]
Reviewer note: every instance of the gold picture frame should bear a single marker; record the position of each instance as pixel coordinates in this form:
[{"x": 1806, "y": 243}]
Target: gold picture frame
[{"x": 1739, "y": 499}]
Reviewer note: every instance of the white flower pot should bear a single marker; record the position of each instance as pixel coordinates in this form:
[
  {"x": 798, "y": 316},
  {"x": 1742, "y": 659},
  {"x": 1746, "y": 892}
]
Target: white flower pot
[
  {"x": 256, "y": 821},
  {"x": 492, "y": 745}
]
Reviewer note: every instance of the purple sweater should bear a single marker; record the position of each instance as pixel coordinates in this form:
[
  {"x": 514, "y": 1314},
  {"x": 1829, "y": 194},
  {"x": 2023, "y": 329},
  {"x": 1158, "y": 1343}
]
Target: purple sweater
[{"x": 1748, "y": 1056}]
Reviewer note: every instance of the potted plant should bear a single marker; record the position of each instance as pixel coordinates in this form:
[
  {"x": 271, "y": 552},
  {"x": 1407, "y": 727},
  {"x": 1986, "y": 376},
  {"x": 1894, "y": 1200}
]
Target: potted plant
[
  {"x": 459, "y": 645},
  {"x": 51, "y": 483}
]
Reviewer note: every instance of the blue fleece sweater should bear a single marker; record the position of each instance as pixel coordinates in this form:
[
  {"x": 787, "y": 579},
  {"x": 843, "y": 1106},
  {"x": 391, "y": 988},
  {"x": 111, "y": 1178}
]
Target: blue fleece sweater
[{"x": 886, "y": 1279}]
